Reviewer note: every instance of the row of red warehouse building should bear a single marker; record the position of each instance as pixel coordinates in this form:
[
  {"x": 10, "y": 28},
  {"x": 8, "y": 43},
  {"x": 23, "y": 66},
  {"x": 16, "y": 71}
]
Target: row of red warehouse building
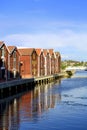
[{"x": 18, "y": 63}]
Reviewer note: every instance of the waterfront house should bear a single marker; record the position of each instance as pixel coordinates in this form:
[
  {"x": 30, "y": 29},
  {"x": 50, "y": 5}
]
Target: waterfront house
[
  {"x": 34, "y": 63},
  {"x": 53, "y": 56},
  {"x": 3, "y": 61},
  {"x": 29, "y": 62},
  {"x": 13, "y": 62},
  {"x": 47, "y": 62},
  {"x": 41, "y": 62},
  {"x": 57, "y": 62},
  {"x": 25, "y": 70}
]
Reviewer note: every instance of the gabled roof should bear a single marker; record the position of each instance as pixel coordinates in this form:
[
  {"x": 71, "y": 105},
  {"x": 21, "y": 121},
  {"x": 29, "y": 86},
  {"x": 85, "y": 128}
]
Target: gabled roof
[
  {"x": 38, "y": 51},
  {"x": 57, "y": 54},
  {"x": 11, "y": 49},
  {"x": 1, "y": 43},
  {"x": 51, "y": 51},
  {"x": 25, "y": 51},
  {"x": 45, "y": 51}
]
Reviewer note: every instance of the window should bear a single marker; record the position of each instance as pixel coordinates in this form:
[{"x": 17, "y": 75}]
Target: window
[
  {"x": 14, "y": 59},
  {"x": 3, "y": 51}
]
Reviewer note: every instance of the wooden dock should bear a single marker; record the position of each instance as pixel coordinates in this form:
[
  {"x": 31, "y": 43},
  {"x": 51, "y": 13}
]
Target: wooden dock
[
  {"x": 31, "y": 81},
  {"x": 10, "y": 88}
]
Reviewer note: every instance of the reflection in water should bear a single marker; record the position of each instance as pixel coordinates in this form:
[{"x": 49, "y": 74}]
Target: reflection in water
[
  {"x": 10, "y": 116},
  {"x": 43, "y": 98},
  {"x": 28, "y": 107},
  {"x": 55, "y": 106}
]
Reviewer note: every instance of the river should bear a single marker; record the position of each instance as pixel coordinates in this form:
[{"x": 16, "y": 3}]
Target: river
[{"x": 55, "y": 106}]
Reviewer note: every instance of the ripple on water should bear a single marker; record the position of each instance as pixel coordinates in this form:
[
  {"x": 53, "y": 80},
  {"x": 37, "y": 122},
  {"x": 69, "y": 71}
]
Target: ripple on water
[{"x": 61, "y": 106}]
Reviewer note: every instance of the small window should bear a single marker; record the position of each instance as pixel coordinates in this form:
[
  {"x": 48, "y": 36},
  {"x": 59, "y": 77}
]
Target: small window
[
  {"x": 34, "y": 56},
  {"x": 3, "y": 51},
  {"x": 14, "y": 59}
]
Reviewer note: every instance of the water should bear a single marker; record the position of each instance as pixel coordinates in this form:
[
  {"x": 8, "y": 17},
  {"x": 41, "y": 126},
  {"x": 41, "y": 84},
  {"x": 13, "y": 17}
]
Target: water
[{"x": 56, "y": 106}]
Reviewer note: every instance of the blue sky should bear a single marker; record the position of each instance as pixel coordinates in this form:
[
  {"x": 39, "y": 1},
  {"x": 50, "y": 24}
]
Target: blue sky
[{"x": 58, "y": 24}]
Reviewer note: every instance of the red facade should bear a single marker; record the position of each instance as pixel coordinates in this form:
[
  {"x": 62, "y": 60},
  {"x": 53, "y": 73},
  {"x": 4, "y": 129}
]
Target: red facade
[
  {"x": 25, "y": 70},
  {"x": 48, "y": 58},
  {"x": 13, "y": 62},
  {"x": 41, "y": 62},
  {"x": 34, "y": 63},
  {"x": 47, "y": 62},
  {"x": 3, "y": 61},
  {"x": 27, "y": 62},
  {"x": 57, "y": 62},
  {"x": 51, "y": 51}
]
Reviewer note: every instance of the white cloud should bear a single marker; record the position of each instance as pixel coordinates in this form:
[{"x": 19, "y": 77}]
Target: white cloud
[
  {"x": 34, "y": 40},
  {"x": 65, "y": 38},
  {"x": 63, "y": 56},
  {"x": 71, "y": 44}
]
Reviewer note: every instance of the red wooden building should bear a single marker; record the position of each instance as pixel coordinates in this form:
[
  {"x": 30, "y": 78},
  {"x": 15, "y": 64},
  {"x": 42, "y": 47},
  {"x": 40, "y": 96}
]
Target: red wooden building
[
  {"x": 53, "y": 57},
  {"x": 47, "y": 62},
  {"x": 29, "y": 62},
  {"x": 3, "y": 61},
  {"x": 13, "y": 62},
  {"x": 41, "y": 62},
  {"x": 57, "y": 62}
]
